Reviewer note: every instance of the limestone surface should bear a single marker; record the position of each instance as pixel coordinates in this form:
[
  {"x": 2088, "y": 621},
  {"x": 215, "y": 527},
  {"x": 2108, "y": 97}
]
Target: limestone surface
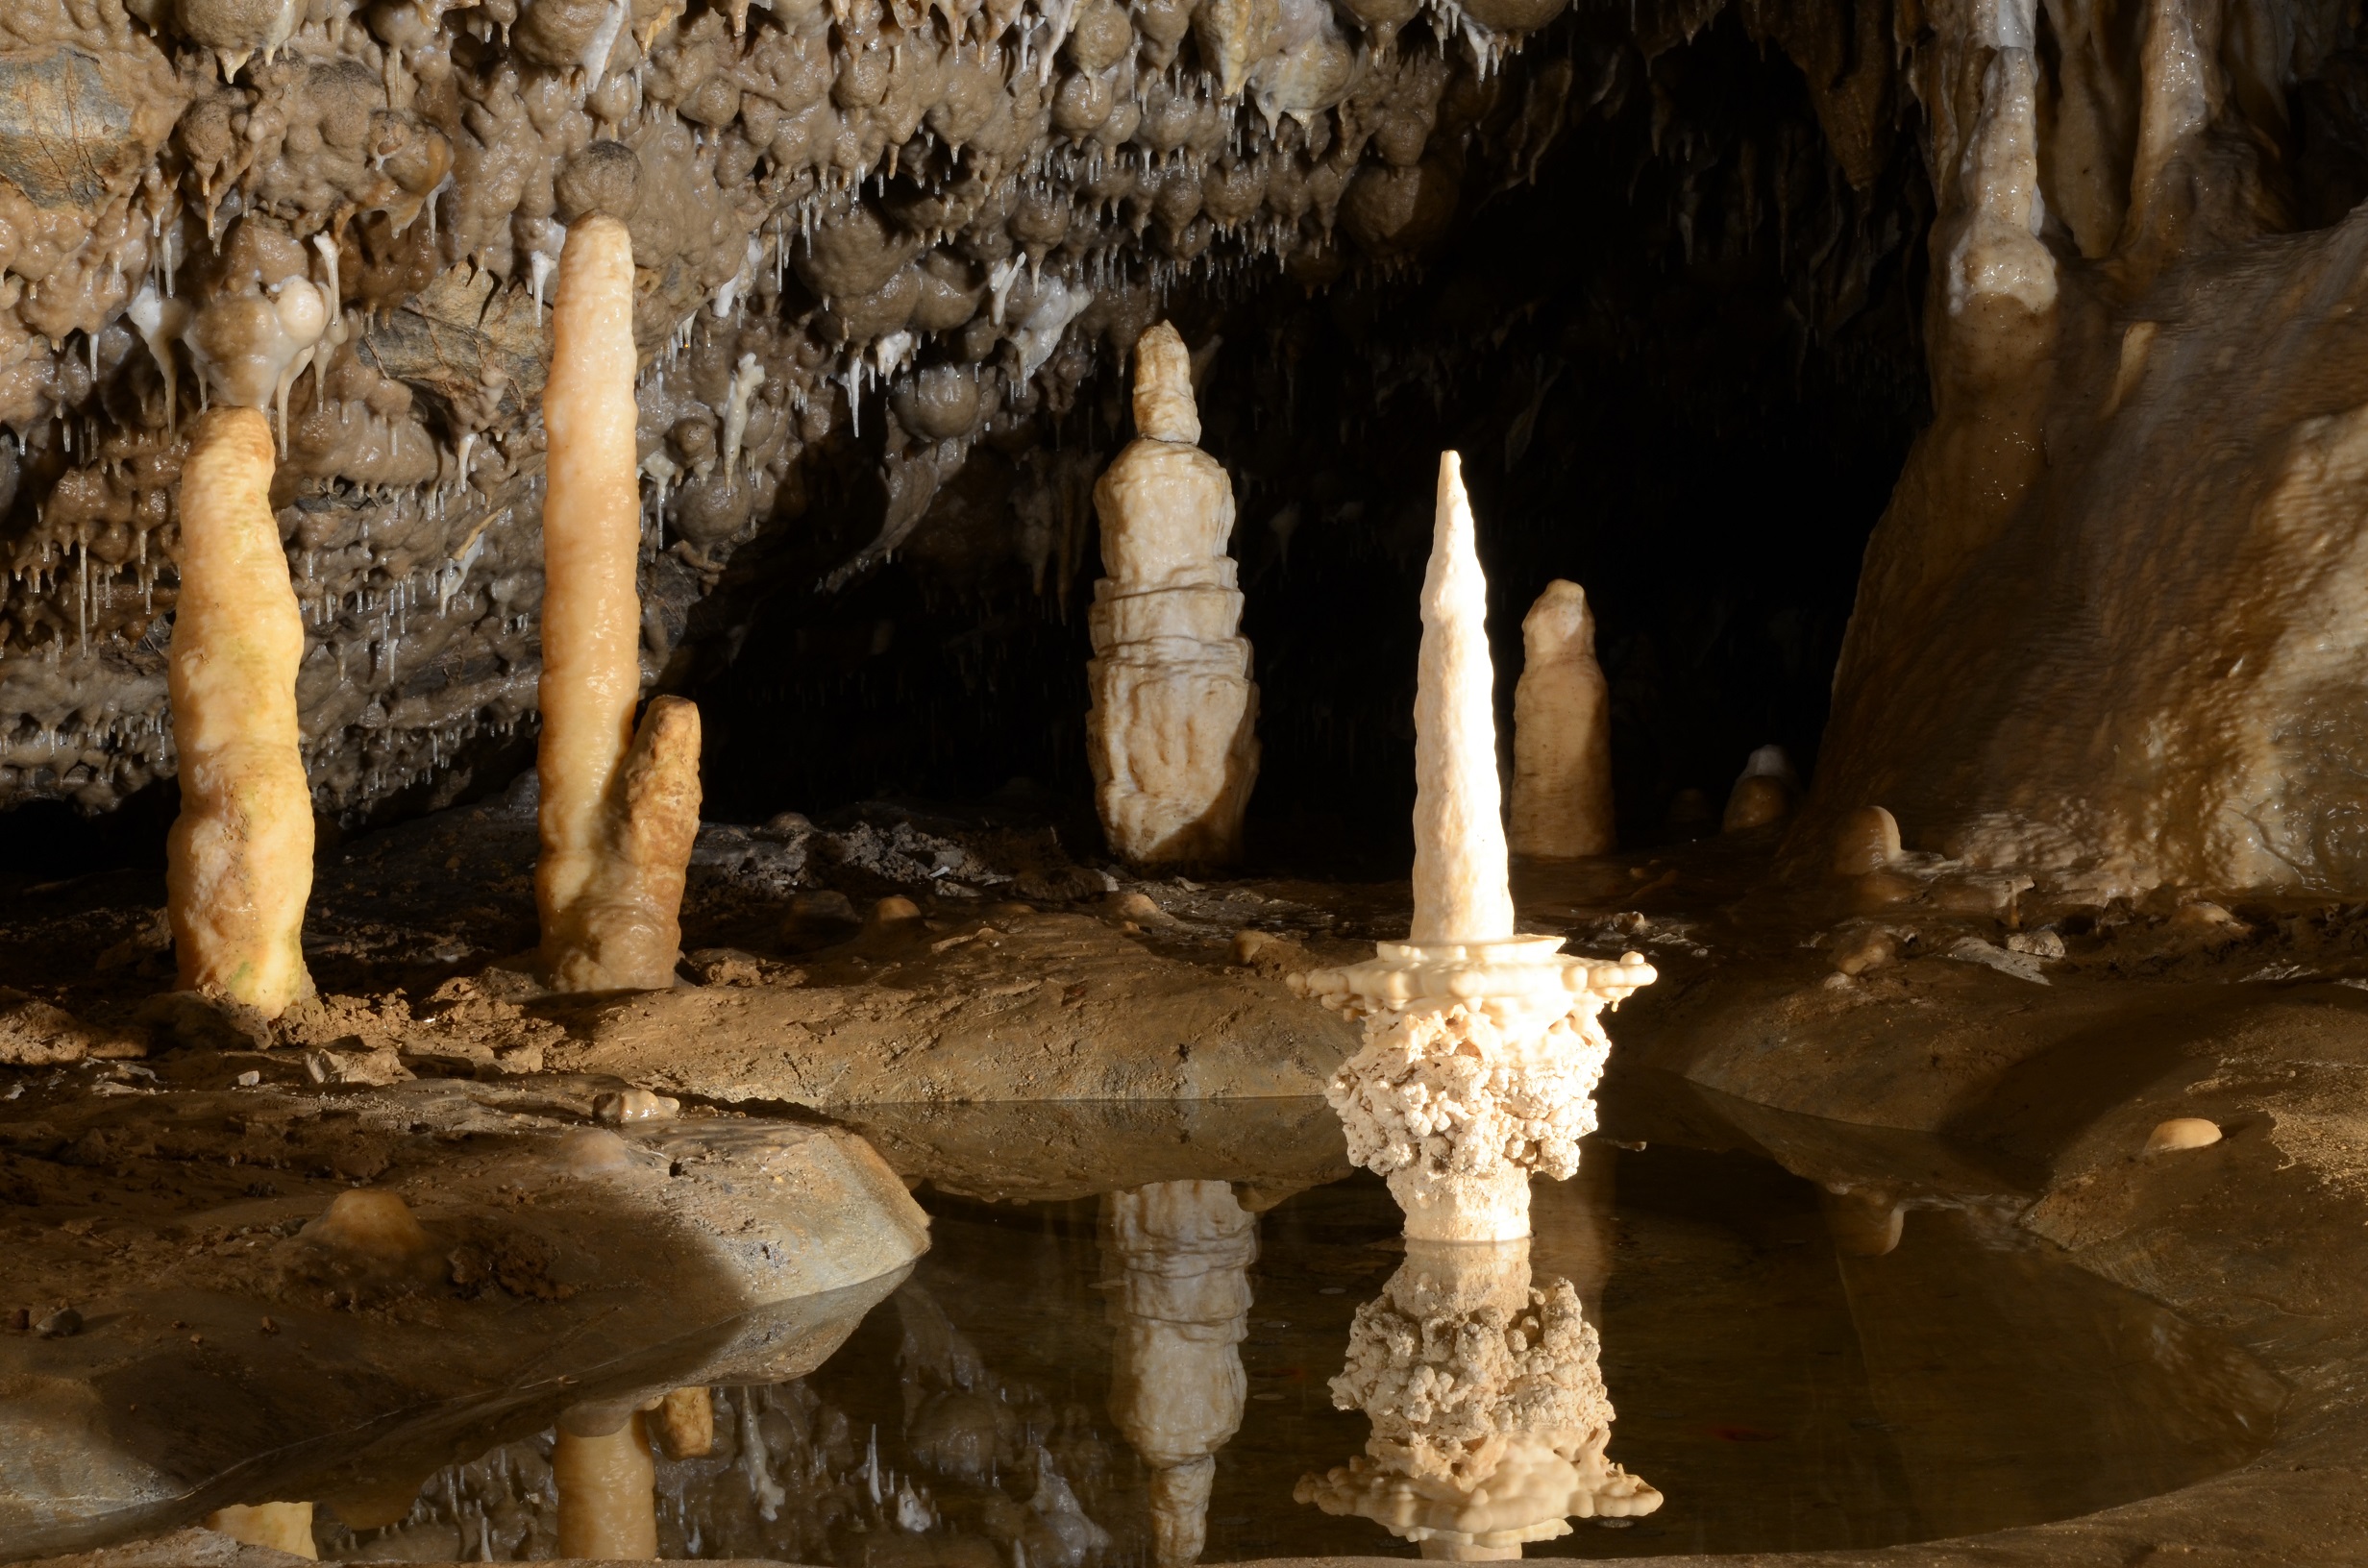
[{"x": 1172, "y": 734}]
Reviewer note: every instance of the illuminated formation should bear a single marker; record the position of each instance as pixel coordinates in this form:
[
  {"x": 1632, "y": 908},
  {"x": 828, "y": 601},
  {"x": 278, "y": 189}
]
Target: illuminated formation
[
  {"x": 620, "y": 808},
  {"x": 1482, "y": 1047}
]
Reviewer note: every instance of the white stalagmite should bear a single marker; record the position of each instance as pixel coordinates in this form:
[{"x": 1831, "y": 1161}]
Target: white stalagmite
[
  {"x": 1182, "y": 1253},
  {"x": 619, "y": 809},
  {"x": 1482, "y": 1047},
  {"x": 1489, "y": 1410},
  {"x": 1172, "y": 734},
  {"x": 1462, "y": 891},
  {"x": 1562, "y": 733}
]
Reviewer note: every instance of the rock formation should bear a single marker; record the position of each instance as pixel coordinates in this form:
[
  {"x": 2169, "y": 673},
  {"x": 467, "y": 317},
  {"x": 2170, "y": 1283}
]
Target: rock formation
[
  {"x": 240, "y": 856},
  {"x": 1489, "y": 1410},
  {"x": 619, "y": 806},
  {"x": 606, "y": 1481},
  {"x": 1172, "y": 734},
  {"x": 1763, "y": 792},
  {"x": 1482, "y": 1047},
  {"x": 1562, "y": 733},
  {"x": 1181, "y": 1252}
]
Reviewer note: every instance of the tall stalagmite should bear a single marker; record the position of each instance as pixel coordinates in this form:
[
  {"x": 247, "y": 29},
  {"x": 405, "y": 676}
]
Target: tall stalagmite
[
  {"x": 619, "y": 809},
  {"x": 1562, "y": 733},
  {"x": 1172, "y": 734},
  {"x": 1482, "y": 1049},
  {"x": 239, "y": 858}
]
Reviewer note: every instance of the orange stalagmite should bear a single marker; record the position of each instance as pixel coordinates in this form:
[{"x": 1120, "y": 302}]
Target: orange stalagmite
[
  {"x": 606, "y": 1483},
  {"x": 619, "y": 809},
  {"x": 239, "y": 858}
]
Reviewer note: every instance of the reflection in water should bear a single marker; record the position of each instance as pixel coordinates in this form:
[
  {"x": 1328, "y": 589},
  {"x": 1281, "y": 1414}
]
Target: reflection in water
[
  {"x": 1489, "y": 1412},
  {"x": 1180, "y": 1253},
  {"x": 607, "y": 1483}
]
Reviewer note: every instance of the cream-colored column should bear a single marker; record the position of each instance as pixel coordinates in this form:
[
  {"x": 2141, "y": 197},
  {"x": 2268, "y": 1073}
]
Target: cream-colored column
[
  {"x": 607, "y": 1485},
  {"x": 238, "y": 861},
  {"x": 1562, "y": 733},
  {"x": 618, "y": 810}
]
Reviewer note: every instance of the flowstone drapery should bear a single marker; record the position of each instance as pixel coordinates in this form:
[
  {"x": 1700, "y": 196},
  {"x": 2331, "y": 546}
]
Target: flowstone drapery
[
  {"x": 1489, "y": 1410},
  {"x": 1482, "y": 1049}
]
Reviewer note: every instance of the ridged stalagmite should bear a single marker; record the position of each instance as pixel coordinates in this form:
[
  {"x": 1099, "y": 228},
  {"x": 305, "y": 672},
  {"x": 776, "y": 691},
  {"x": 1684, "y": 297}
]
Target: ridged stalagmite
[
  {"x": 1172, "y": 734},
  {"x": 1562, "y": 733},
  {"x": 239, "y": 858},
  {"x": 619, "y": 809}
]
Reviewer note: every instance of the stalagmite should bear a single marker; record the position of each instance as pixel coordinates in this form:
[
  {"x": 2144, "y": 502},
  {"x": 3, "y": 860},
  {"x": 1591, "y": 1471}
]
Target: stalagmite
[
  {"x": 606, "y": 1483},
  {"x": 1562, "y": 733},
  {"x": 1182, "y": 1253},
  {"x": 284, "y": 1527},
  {"x": 1482, "y": 1047},
  {"x": 1763, "y": 792},
  {"x": 1171, "y": 733},
  {"x": 240, "y": 859},
  {"x": 1489, "y": 1410},
  {"x": 619, "y": 808},
  {"x": 1868, "y": 842}
]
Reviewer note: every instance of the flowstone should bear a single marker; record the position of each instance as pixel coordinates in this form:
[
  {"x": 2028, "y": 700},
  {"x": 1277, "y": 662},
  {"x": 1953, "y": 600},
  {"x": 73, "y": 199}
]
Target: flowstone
[{"x": 1481, "y": 1047}]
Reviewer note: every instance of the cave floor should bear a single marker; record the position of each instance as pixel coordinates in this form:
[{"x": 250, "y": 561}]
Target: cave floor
[{"x": 1975, "y": 1079}]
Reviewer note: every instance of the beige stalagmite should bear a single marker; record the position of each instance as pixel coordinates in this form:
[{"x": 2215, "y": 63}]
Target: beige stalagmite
[
  {"x": 1562, "y": 733},
  {"x": 240, "y": 859},
  {"x": 284, "y": 1527},
  {"x": 1182, "y": 1253},
  {"x": 608, "y": 1486},
  {"x": 1763, "y": 792},
  {"x": 619, "y": 808},
  {"x": 1482, "y": 1047},
  {"x": 1172, "y": 734},
  {"x": 1489, "y": 1410}
]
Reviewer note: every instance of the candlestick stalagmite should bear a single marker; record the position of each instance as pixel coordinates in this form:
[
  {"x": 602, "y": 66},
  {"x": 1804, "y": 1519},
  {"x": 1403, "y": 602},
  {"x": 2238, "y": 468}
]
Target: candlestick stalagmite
[
  {"x": 1462, "y": 888},
  {"x": 239, "y": 858},
  {"x": 1482, "y": 1047},
  {"x": 1562, "y": 733},
  {"x": 618, "y": 809}
]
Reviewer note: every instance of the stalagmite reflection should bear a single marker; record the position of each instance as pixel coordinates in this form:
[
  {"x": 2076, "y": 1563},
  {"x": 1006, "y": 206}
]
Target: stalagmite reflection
[
  {"x": 607, "y": 1484},
  {"x": 1489, "y": 1410},
  {"x": 1180, "y": 1253}
]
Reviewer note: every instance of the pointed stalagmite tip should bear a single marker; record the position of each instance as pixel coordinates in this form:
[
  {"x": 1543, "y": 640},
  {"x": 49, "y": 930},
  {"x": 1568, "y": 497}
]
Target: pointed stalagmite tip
[
  {"x": 1461, "y": 888},
  {"x": 1163, "y": 406}
]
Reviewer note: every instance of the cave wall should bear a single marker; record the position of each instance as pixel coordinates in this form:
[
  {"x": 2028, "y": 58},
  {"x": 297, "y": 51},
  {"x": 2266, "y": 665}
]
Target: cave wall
[{"x": 2111, "y": 630}]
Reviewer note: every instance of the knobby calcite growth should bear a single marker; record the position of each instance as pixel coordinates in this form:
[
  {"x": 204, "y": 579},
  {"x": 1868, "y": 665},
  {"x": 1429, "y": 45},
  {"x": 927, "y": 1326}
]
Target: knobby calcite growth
[
  {"x": 1182, "y": 1253},
  {"x": 619, "y": 809},
  {"x": 1562, "y": 733},
  {"x": 1172, "y": 730},
  {"x": 239, "y": 858},
  {"x": 1489, "y": 1410},
  {"x": 1482, "y": 1047}
]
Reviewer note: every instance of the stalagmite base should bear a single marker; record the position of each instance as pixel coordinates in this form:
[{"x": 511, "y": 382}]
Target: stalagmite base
[
  {"x": 1172, "y": 730},
  {"x": 617, "y": 818},
  {"x": 284, "y": 1527},
  {"x": 239, "y": 858},
  {"x": 1562, "y": 733},
  {"x": 1482, "y": 1047}
]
